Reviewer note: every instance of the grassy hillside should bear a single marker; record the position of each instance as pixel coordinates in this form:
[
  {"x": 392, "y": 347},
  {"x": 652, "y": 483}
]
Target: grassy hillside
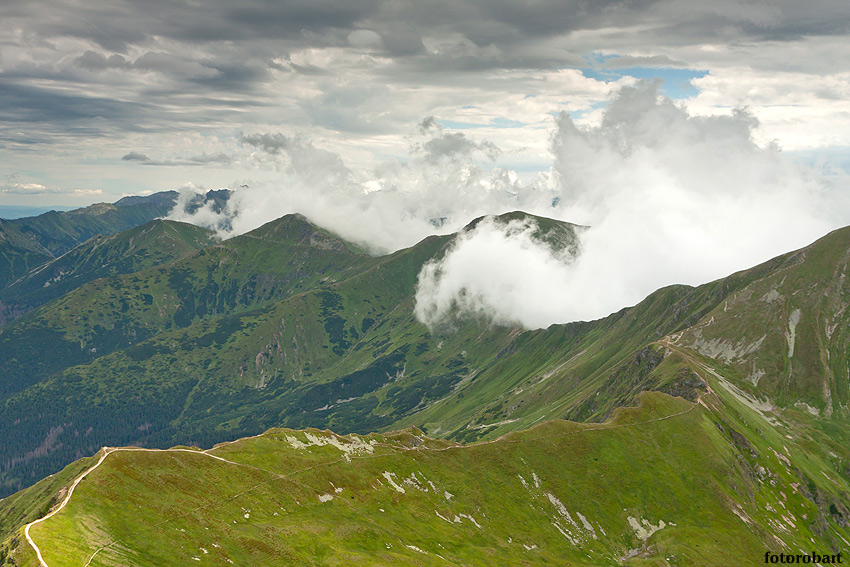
[
  {"x": 342, "y": 350},
  {"x": 625, "y": 492},
  {"x": 115, "y": 312},
  {"x": 751, "y": 455},
  {"x": 27, "y": 243},
  {"x": 150, "y": 244},
  {"x": 18, "y": 255}
]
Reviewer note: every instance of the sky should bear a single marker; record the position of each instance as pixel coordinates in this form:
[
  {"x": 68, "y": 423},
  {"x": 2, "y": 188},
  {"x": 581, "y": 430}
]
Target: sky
[
  {"x": 388, "y": 120},
  {"x": 99, "y": 99}
]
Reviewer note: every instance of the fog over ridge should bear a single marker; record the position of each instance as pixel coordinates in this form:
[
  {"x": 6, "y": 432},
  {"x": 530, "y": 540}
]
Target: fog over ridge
[{"x": 669, "y": 198}]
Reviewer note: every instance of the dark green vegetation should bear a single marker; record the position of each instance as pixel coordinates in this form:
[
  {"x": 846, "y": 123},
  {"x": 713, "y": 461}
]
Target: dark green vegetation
[
  {"x": 289, "y": 326},
  {"x": 31, "y": 242},
  {"x": 26, "y": 243},
  {"x": 150, "y": 244},
  {"x": 32, "y": 248}
]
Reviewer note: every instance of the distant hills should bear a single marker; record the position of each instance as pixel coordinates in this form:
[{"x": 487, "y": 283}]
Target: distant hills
[
  {"x": 30, "y": 243},
  {"x": 162, "y": 336},
  {"x": 26, "y": 243},
  {"x": 8, "y": 212}
]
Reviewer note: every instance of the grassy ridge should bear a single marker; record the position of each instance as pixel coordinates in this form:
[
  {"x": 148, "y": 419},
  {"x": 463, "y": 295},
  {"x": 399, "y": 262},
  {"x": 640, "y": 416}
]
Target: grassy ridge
[
  {"x": 560, "y": 493},
  {"x": 341, "y": 350}
]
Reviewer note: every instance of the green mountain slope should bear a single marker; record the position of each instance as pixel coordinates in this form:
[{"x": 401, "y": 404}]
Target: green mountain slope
[
  {"x": 26, "y": 243},
  {"x": 18, "y": 255},
  {"x": 150, "y": 244},
  {"x": 625, "y": 492},
  {"x": 316, "y": 335},
  {"x": 205, "y": 377},
  {"x": 115, "y": 312},
  {"x": 345, "y": 354},
  {"x": 785, "y": 338},
  {"x": 752, "y": 455}
]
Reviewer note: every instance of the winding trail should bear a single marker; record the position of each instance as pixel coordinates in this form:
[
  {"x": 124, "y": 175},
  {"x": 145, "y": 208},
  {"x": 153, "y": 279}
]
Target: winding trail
[
  {"x": 277, "y": 476},
  {"x": 106, "y": 452}
]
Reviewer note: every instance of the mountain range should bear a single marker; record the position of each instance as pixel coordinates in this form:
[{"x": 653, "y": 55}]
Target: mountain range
[{"x": 703, "y": 426}]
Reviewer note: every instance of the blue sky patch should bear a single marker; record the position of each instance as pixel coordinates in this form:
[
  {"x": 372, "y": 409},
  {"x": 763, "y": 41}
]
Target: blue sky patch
[
  {"x": 494, "y": 123},
  {"x": 676, "y": 81}
]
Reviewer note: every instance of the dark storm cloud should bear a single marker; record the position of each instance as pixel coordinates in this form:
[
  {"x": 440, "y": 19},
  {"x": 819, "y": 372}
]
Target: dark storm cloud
[
  {"x": 19, "y": 103},
  {"x": 270, "y": 143},
  {"x": 179, "y": 65},
  {"x": 651, "y": 61},
  {"x": 272, "y": 18},
  {"x": 96, "y": 62},
  {"x": 115, "y": 26},
  {"x": 135, "y": 156},
  {"x": 202, "y": 159}
]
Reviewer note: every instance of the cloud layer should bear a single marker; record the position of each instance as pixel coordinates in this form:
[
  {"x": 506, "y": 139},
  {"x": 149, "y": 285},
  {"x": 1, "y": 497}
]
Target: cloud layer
[
  {"x": 445, "y": 180},
  {"x": 83, "y": 84},
  {"x": 669, "y": 198}
]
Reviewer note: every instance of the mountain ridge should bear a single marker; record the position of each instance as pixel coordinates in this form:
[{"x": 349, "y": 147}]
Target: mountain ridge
[
  {"x": 241, "y": 367},
  {"x": 345, "y": 352}
]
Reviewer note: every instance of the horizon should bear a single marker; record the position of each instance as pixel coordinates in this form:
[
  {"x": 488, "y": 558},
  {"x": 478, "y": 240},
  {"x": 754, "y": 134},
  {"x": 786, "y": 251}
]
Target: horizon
[{"x": 690, "y": 139}]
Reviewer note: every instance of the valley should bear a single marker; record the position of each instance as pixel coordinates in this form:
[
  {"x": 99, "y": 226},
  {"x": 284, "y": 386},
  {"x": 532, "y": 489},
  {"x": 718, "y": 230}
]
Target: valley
[{"x": 703, "y": 426}]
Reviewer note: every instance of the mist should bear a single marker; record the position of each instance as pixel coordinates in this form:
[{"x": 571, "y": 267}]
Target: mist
[
  {"x": 668, "y": 198},
  {"x": 446, "y": 180}
]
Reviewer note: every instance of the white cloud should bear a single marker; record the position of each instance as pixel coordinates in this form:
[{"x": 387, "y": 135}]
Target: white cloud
[
  {"x": 441, "y": 185},
  {"x": 501, "y": 272},
  {"x": 669, "y": 198}
]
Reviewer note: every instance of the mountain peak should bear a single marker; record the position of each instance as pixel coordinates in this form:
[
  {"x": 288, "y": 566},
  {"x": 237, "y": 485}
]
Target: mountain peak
[
  {"x": 295, "y": 228},
  {"x": 557, "y": 234}
]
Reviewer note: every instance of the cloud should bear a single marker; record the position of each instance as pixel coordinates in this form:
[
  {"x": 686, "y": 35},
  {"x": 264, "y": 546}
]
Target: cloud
[
  {"x": 668, "y": 198},
  {"x": 450, "y": 146},
  {"x": 95, "y": 61},
  {"x": 269, "y": 143},
  {"x": 202, "y": 159},
  {"x": 135, "y": 156},
  {"x": 498, "y": 271},
  {"x": 367, "y": 71},
  {"x": 438, "y": 187},
  {"x": 26, "y": 188},
  {"x": 22, "y": 104},
  {"x": 626, "y": 61},
  {"x": 15, "y": 186}
]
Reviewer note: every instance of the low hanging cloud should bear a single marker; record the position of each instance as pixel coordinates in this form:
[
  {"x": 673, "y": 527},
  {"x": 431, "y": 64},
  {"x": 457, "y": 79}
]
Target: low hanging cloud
[
  {"x": 201, "y": 159},
  {"x": 499, "y": 271},
  {"x": 438, "y": 189},
  {"x": 669, "y": 198}
]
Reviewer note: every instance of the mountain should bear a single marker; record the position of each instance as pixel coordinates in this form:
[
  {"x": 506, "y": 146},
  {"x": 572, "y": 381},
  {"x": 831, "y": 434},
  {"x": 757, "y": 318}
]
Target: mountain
[
  {"x": 739, "y": 441},
  {"x": 225, "y": 341},
  {"x": 625, "y": 492},
  {"x": 150, "y": 244},
  {"x": 28, "y": 243}
]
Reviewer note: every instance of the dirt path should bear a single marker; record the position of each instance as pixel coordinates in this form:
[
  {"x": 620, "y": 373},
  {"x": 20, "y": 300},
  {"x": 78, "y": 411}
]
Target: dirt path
[
  {"x": 106, "y": 452},
  {"x": 109, "y": 450}
]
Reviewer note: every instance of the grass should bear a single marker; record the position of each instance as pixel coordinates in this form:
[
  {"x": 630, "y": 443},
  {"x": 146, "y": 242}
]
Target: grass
[{"x": 503, "y": 502}]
